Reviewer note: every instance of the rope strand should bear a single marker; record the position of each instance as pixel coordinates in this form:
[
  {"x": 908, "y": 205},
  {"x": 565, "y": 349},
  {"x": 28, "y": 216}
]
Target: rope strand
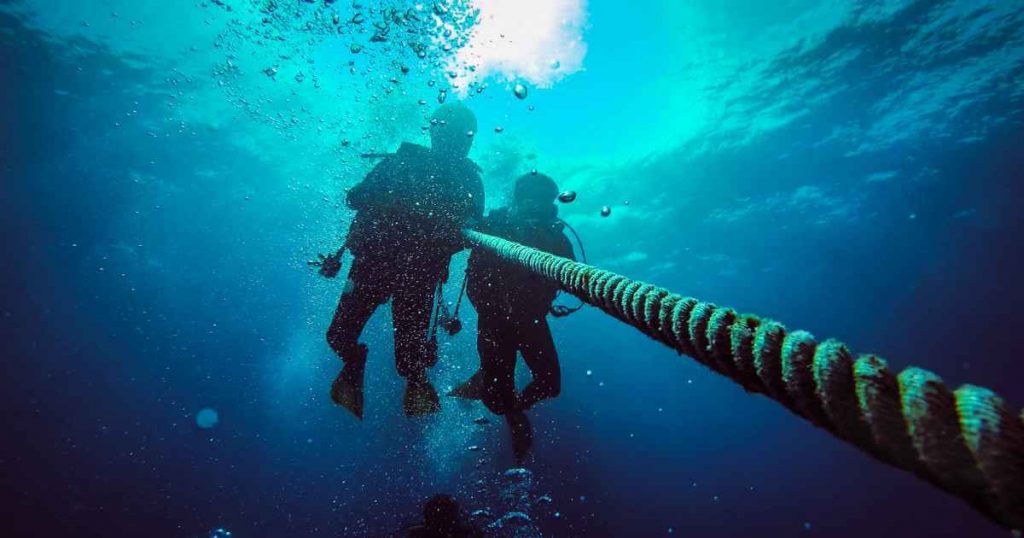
[{"x": 968, "y": 442}]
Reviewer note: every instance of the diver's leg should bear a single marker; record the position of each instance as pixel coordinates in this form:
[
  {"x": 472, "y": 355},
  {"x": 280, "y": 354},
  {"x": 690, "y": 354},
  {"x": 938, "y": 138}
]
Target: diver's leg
[
  {"x": 522, "y": 434},
  {"x": 496, "y": 344},
  {"x": 365, "y": 291},
  {"x": 498, "y": 364},
  {"x": 540, "y": 356},
  {"x": 410, "y": 309}
]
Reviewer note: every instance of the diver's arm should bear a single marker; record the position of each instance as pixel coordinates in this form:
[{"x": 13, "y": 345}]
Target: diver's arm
[{"x": 360, "y": 196}]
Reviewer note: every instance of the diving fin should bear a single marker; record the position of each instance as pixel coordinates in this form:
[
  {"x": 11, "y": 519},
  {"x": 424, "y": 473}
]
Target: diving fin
[
  {"x": 420, "y": 398},
  {"x": 471, "y": 389},
  {"x": 347, "y": 389}
]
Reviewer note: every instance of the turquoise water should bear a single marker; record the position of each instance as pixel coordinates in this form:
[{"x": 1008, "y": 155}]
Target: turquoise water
[{"x": 850, "y": 168}]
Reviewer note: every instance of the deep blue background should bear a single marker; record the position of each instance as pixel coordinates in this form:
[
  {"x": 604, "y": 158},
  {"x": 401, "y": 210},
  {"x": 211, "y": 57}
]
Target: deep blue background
[{"x": 102, "y": 373}]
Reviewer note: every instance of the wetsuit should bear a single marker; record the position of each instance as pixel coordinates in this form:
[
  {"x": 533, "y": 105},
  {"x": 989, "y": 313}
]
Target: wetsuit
[
  {"x": 409, "y": 212},
  {"x": 512, "y": 304}
]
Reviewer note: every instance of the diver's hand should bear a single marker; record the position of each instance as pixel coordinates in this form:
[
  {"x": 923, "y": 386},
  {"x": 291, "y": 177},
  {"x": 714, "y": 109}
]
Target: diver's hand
[
  {"x": 560, "y": 311},
  {"x": 329, "y": 265}
]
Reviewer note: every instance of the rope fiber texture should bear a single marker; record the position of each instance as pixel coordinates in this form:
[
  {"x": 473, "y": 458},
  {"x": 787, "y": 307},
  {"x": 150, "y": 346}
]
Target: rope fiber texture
[{"x": 969, "y": 442}]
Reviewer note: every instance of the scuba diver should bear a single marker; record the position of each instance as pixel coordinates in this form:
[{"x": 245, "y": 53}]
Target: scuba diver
[
  {"x": 443, "y": 518},
  {"x": 410, "y": 210},
  {"x": 512, "y": 304}
]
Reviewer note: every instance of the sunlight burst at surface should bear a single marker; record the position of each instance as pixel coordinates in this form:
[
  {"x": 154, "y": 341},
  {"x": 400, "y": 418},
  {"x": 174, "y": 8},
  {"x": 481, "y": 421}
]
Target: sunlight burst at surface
[{"x": 539, "y": 41}]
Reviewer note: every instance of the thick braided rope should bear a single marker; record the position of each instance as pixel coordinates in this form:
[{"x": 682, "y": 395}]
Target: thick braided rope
[{"x": 969, "y": 442}]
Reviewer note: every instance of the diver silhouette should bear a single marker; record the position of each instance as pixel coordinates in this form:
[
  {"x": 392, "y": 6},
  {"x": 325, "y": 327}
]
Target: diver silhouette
[
  {"x": 444, "y": 518},
  {"x": 410, "y": 210},
  {"x": 512, "y": 304}
]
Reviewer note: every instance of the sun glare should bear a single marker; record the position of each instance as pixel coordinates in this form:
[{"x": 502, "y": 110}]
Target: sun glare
[{"x": 537, "y": 41}]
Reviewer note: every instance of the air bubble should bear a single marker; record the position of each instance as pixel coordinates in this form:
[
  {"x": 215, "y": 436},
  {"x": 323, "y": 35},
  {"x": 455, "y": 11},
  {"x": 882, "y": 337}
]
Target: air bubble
[{"x": 207, "y": 418}]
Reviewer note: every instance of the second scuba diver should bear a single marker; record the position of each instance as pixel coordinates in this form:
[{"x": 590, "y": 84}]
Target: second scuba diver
[{"x": 512, "y": 304}]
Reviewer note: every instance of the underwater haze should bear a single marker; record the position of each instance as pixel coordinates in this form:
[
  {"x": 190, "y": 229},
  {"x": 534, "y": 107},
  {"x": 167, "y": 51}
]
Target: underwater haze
[{"x": 167, "y": 169}]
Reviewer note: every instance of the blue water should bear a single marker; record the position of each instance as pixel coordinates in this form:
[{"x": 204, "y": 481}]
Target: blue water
[{"x": 166, "y": 169}]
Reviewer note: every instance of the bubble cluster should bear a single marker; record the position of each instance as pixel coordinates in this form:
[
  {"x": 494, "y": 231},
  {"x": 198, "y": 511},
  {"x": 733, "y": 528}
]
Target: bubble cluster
[{"x": 207, "y": 418}]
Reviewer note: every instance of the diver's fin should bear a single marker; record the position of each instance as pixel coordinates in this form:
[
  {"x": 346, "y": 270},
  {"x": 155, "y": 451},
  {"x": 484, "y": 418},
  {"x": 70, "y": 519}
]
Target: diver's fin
[
  {"x": 472, "y": 389},
  {"x": 347, "y": 389},
  {"x": 420, "y": 399}
]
